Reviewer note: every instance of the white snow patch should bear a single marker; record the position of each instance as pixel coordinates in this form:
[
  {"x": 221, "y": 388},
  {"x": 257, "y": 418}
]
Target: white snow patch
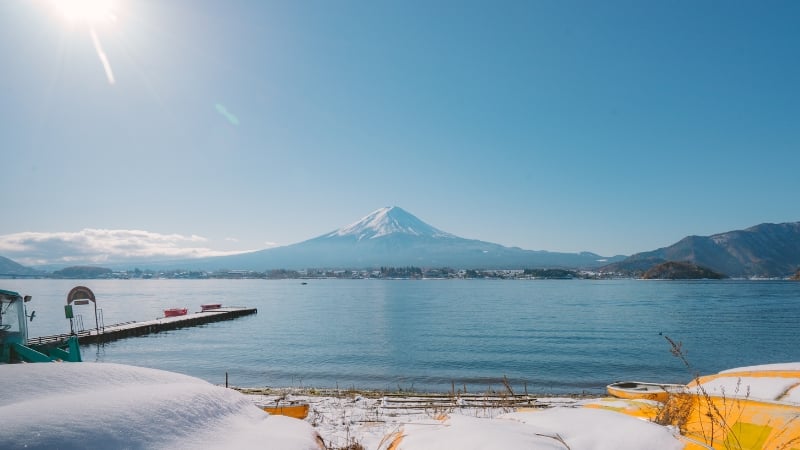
[
  {"x": 738, "y": 384},
  {"x": 465, "y": 433},
  {"x": 579, "y": 428},
  {"x": 754, "y": 388},
  {"x": 81, "y": 405},
  {"x": 597, "y": 429},
  {"x": 765, "y": 367}
]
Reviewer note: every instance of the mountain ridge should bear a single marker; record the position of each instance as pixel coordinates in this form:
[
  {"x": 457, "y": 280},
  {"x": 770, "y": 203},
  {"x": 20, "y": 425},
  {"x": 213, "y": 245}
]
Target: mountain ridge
[
  {"x": 764, "y": 250},
  {"x": 12, "y": 268}
]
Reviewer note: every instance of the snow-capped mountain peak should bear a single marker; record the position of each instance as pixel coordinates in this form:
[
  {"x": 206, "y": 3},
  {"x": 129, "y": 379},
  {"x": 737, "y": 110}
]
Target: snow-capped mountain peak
[{"x": 389, "y": 220}]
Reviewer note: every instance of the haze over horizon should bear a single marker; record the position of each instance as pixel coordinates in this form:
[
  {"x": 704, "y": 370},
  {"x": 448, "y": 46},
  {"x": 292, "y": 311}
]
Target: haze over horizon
[{"x": 205, "y": 128}]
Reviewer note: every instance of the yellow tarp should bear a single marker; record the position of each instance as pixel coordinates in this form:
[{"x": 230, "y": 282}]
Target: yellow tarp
[{"x": 739, "y": 419}]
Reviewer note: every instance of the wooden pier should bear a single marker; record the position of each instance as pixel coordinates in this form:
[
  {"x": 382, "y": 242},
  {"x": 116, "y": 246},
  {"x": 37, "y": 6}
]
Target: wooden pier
[{"x": 128, "y": 329}]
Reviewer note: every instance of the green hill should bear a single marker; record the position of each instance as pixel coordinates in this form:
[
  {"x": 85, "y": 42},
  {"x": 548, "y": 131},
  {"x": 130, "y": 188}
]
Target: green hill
[
  {"x": 88, "y": 272},
  {"x": 678, "y": 270}
]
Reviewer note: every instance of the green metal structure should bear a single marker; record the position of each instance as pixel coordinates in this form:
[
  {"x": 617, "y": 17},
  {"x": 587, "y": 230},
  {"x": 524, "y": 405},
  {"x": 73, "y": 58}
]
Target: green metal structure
[{"x": 14, "y": 345}]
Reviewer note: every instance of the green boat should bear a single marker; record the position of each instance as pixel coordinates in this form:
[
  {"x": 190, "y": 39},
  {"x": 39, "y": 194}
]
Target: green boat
[{"x": 14, "y": 345}]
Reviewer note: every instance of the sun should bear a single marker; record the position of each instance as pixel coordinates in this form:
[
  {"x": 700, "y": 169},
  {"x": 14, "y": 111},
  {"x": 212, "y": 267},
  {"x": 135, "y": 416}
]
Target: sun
[
  {"x": 92, "y": 14},
  {"x": 89, "y": 11}
]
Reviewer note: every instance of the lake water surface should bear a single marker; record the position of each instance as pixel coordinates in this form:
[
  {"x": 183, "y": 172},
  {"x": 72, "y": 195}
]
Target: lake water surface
[{"x": 559, "y": 336}]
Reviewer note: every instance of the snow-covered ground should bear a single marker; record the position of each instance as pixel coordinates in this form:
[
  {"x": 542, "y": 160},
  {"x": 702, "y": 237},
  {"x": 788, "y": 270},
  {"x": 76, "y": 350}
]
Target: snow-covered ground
[
  {"x": 422, "y": 422},
  {"x": 102, "y": 405}
]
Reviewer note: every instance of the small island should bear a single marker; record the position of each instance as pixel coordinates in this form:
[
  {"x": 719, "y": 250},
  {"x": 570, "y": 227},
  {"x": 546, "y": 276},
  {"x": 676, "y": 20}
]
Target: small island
[{"x": 679, "y": 270}]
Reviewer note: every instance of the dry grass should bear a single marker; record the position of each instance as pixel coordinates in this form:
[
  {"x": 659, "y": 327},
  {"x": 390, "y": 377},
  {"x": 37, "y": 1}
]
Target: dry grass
[
  {"x": 351, "y": 446},
  {"x": 675, "y": 411}
]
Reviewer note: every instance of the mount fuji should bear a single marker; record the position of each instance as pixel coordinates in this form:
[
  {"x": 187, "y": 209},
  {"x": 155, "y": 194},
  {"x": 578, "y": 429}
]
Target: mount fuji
[
  {"x": 387, "y": 221},
  {"x": 391, "y": 236}
]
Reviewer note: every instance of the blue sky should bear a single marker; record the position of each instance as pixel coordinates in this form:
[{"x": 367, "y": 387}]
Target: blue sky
[{"x": 613, "y": 127}]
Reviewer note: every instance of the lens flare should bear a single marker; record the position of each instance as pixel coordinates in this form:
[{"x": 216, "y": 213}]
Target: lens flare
[
  {"x": 103, "y": 58},
  {"x": 90, "y": 11}
]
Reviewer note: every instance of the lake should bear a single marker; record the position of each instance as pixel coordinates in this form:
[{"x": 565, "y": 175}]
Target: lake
[{"x": 546, "y": 336}]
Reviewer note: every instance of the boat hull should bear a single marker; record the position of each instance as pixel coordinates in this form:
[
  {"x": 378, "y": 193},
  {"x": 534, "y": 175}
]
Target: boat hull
[
  {"x": 638, "y": 390},
  {"x": 298, "y": 411}
]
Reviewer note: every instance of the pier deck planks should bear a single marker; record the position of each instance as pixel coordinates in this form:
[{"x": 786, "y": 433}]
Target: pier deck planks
[{"x": 128, "y": 329}]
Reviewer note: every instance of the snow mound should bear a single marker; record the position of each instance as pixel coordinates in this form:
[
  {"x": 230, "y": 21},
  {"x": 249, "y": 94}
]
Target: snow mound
[
  {"x": 754, "y": 388},
  {"x": 555, "y": 428},
  {"x": 597, "y": 429},
  {"x": 98, "y": 405},
  {"x": 767, "y": 382}
]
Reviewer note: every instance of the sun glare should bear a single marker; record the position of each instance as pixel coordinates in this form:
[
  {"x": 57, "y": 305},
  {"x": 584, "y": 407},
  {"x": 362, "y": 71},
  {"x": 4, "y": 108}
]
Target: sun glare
[
  {"x": 92, "y": 14},
  {"x": 90, "y": 11}
]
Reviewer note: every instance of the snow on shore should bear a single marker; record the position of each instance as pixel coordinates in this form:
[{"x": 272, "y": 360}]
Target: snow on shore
[
  {"x": 103, "y": 405},
  {"x": 423, "y": 423}
]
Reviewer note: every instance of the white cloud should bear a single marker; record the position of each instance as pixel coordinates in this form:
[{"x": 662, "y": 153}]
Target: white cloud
[{"x": 96, "y": 246}]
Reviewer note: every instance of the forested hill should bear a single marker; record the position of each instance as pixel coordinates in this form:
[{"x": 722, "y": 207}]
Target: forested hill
[{"x": 765, "y": 250}]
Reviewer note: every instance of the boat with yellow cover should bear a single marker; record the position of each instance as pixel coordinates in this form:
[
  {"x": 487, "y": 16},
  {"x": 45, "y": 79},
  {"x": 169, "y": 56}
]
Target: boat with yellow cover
[{"x": 747, "y": 408}]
